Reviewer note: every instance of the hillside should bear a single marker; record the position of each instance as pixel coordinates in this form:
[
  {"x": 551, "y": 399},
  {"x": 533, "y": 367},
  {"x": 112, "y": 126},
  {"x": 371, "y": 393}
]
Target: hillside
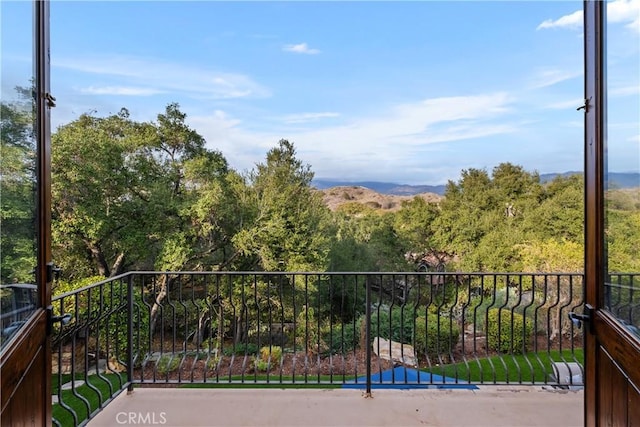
[
  {"x": 617, "y": 180},
  {"x": 335, "y": 197},
  {"x": 381, "y": 187}
]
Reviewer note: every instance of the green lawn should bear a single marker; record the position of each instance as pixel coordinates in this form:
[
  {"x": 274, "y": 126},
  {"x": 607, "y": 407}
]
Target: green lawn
[
  {"x": 527, "y": 368},
  {"x": 85, "y": 400}
]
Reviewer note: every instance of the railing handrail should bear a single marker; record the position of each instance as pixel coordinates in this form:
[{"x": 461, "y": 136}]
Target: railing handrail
[
  {"x": 314, "y": 273},
  {"x": 92, "y": 285}
]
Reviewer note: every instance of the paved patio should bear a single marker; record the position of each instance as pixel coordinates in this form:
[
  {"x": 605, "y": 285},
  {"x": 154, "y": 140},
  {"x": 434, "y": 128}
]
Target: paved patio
[{"x": 489, "y": 406}]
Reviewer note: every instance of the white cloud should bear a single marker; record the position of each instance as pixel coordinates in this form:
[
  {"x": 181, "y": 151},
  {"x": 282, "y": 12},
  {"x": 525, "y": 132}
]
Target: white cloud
[
  {"x": 625, "y": 11},
  {"x": 625, "y": 90},
  {"x": 388, "y": 140},
  {"x": 635, "y": 138},
  {"x": 618, "y": 11},
  {"x": 573, "y": 20},
  {"x": 119, "y": 90},
  {"x": 565, "y": 105},
  {"x": 575, "y": 124},
  {"x": 300, "y": 48},
  {"x": 549, "y": 77},
  {"x": 308, "y": 117},
  {"x": 242, "y": 148},
  {"x": 166, "y": 77}
]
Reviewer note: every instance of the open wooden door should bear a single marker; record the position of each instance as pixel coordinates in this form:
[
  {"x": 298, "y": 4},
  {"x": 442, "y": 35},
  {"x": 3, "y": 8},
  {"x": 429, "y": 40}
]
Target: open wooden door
[
  {"x": 612, "y": 352},
  {"x": 26, "y": 269}
]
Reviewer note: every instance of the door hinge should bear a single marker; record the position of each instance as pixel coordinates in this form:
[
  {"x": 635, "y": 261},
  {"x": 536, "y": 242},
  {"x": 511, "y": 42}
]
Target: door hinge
[{"x": 585, "y": 317}]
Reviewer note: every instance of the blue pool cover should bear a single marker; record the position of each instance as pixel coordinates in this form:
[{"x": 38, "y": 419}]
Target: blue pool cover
[{"x": 404, "y": 378}]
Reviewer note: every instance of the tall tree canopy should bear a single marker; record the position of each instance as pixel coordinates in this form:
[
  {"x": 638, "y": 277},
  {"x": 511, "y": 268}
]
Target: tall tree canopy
[
  {"x": 17, "y": 189},
  {"x": 289, "y": 222},
  {"x": 126, "y": 194}
]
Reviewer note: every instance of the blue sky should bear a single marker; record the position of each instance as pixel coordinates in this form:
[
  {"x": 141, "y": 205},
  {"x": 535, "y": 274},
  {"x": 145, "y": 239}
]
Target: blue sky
[{"x": 408, "y": 92}]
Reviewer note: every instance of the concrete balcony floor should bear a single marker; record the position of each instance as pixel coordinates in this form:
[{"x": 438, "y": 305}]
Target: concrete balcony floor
[{"x": 489, "y": 406}]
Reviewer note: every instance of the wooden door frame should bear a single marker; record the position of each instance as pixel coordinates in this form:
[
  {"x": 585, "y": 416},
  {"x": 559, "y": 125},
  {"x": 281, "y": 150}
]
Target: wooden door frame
[
  {"x": 26, "y": 359},
  {"x": 605, "y": 334},
  {"x": 45, "y": 102},
  {"x": 594, "y": 124}
]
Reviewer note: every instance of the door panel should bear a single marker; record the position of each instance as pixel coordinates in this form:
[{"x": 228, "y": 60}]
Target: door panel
[
  {"x": 633, "y": 395},
  {"x": 25, "y": 356},
  {"x": 619, "y": 400},
  {"x": 619, "y": 344},
  {"x": 25, "y": 403},
  {"x": 612, "y": 350}
]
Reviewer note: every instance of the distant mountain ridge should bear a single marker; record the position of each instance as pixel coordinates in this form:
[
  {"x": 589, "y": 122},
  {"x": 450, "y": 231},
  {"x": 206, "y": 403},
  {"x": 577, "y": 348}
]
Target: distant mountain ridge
[
  {"x": 382, "y": 187},
  {"x": 616, "y": 179}
]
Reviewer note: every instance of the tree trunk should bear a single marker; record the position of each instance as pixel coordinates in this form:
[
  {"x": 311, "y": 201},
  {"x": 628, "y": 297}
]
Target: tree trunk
[
  {"x": 203, "y": 320},
  {"x": 220, "y": 328},
  {"x": 238, "y": 330},
  {"x": 161, "y": 295},
  {"x": 116, "y": 269},
  {"x": 98, "y": 257}
]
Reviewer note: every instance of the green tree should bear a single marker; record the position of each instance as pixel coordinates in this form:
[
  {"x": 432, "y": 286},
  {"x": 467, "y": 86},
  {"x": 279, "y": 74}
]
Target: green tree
[
  {"x": 462, "y": 219},
  {"x": 138, "y": 195},
  {"x": 197, "y": 196},
  {"x": 623, "y": 240},
  {"x": 552, "y": 255},
  {"x": 99, "y": 185},
  {"x": 17, "y": 187},
  {"x": 560, "y": 213},
  {"x": 414, "y": 224},
  {"x": 483, "y": 217},
  {"x": 512, "y": 183},
  {"x": 288, "y": 228},
  {"x": 283, "y": 226},
  {"x": 365, "y": 239}
]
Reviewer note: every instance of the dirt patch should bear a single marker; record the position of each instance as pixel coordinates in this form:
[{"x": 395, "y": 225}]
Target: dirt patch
[
  {"x": 337, "y": 196},
  {"x": 315, "y": 368},
  {"x": 312, "y": 367},
  {"x": 331, "y": 368}
]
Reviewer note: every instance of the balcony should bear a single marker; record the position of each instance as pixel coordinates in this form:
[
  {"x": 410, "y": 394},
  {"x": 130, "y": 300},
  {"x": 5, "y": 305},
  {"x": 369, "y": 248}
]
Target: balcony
[
  {"x": 252, "y": 348},
  {"x": 502, "y": 406}
]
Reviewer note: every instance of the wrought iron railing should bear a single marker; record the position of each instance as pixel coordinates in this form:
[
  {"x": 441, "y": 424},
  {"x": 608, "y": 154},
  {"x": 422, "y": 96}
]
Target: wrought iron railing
[
  {"x": 355, "y": 330},
  {"x": 91, "y": 351},
  {"x": 622, "y": 299}
]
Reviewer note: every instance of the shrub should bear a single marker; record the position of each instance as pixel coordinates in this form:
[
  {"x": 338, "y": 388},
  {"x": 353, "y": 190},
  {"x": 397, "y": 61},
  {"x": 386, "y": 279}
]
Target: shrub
[
  {"x": 388, "y": 205},
  {"x": 271, "y": 353},
  {"x": 240, "y": 349},
  {"x": 167, "y": 363},
  {"x": 213, "y": 360},
  {"x": 507, "y": 332},
  {"x": 308, "y": 332},
  {"x": 268, "y": 357},
  {"x": 394, "y": 324},
  {"x": 435, "y": 335},
  {"x": 343, "y": 338}
]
